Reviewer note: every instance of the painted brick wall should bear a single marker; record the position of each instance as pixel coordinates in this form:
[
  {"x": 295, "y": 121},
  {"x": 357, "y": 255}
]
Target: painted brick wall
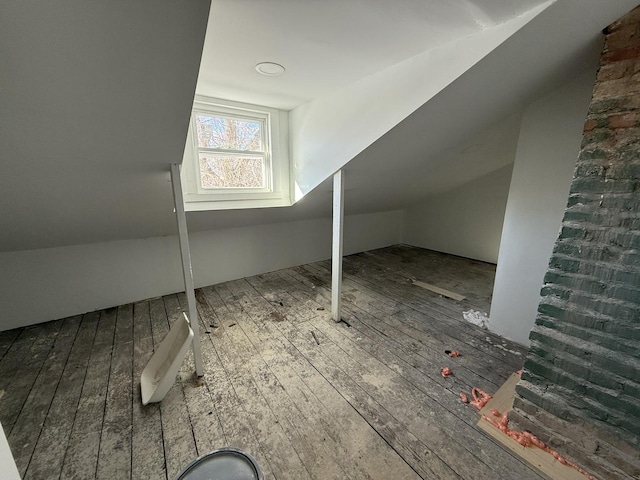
[{"x": 580, "y": 387}]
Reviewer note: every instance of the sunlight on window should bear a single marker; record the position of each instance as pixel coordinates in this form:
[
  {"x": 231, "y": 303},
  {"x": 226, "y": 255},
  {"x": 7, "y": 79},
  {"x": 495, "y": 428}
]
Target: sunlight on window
[
  {"x": 228, "y": 133},
  {"x": 231, "y": 171}
]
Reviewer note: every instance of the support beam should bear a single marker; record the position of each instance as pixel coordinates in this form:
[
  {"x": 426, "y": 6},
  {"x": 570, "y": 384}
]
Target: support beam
[
  {"x": 185, "y": 253},
  {"x": 336, "y": 252}
]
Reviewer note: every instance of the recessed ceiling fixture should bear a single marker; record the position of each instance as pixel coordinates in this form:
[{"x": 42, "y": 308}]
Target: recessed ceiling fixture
[{"x": 270, "y": 69}]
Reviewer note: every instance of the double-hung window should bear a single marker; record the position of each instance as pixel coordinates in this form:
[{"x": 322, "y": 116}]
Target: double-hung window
[{"x": 236, "y": 156}]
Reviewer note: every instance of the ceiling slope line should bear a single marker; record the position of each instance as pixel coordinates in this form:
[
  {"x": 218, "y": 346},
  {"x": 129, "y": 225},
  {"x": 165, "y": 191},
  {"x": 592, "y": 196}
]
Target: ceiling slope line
[{"x": 328, "y": 132}]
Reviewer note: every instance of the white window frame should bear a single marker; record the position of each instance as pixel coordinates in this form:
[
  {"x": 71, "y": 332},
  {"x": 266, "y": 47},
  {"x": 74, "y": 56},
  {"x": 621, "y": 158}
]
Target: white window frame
[{"x": 277, "y": 189}]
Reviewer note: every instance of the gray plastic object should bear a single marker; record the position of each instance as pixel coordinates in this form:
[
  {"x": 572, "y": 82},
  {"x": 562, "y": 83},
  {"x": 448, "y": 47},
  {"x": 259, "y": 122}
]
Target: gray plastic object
[{"x": 223, "y": 464}]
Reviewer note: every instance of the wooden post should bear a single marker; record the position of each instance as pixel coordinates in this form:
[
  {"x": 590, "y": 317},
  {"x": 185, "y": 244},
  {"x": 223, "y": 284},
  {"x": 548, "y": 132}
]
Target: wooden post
[
  {"x": 336, "y": 253},
  {"x": 187, "y": 272}
]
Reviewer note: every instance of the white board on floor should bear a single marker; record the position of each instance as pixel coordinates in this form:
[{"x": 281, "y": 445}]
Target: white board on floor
[{"x": 9, "y": 469}]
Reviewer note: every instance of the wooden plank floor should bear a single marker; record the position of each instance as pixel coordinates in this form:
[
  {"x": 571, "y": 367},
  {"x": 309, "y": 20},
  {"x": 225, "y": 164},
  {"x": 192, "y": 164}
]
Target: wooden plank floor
[{"x": 308, "y": 398}]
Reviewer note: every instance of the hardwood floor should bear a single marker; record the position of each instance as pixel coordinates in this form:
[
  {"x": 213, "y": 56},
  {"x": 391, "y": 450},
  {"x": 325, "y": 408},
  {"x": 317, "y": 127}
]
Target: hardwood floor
[{"x": 307, "y": 397}]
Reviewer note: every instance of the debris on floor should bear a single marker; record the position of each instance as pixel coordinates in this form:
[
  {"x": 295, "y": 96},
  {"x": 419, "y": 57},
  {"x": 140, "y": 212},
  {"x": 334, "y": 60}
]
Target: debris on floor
[
  {"x": 445, "y": 372},
  {"x": 197, "y": 381},
  {"x": 502, "y": 347},
  {"x": 476, "y": 317},
  {"x": 452, "y": 353},
  {"x": 315, "y": 337},
  {"x": 320, "y": 309},
  {"x": 480, "y": 398}
]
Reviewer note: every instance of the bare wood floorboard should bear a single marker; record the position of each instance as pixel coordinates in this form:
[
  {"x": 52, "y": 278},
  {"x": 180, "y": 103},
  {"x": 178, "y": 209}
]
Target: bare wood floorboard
[{"x": 308, "y": 398}]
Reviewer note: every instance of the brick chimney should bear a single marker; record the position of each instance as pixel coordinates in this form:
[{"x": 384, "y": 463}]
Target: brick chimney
[{"x": 580, "y": 386}]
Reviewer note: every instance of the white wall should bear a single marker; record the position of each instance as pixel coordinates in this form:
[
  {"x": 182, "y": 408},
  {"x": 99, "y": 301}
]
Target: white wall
[
  {"x": 41, "y": 285},
  {"x": 548, "y": 147},
  {"x": 465, "y": 221}
]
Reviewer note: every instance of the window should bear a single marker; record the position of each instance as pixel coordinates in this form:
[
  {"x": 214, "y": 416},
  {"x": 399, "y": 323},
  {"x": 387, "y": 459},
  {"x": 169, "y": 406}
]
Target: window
[{"x": 236, "y": 156}]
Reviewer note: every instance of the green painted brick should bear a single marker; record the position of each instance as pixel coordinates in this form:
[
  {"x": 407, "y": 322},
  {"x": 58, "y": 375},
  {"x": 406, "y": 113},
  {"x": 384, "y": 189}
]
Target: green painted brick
[
  {"x": 578, "y": 198},
  {"x": 627, "y": 294},
  {"x": 589, "y": 169},
  {"x": 607, "y": 105},
  {"x": 555, "y": 291},
  {"x": 602, "y": 218},
  {"x": 606, "y": 306},
  {"x": 630, "y": 277},
  {"x": 584, "y": 283},
  {"x": 623, "y": 202},
  {"x": 626, "y": 343},
  {"x": 611, "y": 362},
  {"x": 545, "y": 321},
  {"x": 575, "y": 378},
  {"x": 596, "y": 136},
  {"x": 572, "y": 232},
  {"x": 577, "y": 216},
  {"x": 604, "y": 253},
  {"x": 631, "y": 258},
  {"x": 629, "y": 240},
  {"x": 554, "y": 277},
  {"x": 543, "y": 370},
  {"x": 551, "y": 310},
  {"x": 630, "y": 157},
  {"x": 602, "y": 186},
  {"x": 609, "y": 399},
  {"x": 566, "y": 264},
  {"x": 609, "y": 202},
  {"x": 594, "y": 153},
  {"x": 627, "y": 170},
  {"x": 583, "y": 320},
  {"x": 538, "y": 350}
]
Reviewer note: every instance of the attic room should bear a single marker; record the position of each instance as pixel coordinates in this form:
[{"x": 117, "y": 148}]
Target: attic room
[{"x": 450, "y": 212}]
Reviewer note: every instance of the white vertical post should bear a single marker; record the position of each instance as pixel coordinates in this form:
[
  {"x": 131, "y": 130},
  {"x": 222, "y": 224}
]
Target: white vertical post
[
  {"x": 336, "y": 251},
  {"x": 185, "y": 253}
]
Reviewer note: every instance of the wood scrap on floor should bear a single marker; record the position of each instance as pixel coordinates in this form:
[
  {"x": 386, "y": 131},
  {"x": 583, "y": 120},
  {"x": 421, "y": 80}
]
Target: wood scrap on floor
[{"x": 438, "y": 290}]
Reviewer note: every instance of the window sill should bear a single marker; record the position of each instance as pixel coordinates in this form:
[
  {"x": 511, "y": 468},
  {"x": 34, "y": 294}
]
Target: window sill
[{"x": 200, "y": 206}]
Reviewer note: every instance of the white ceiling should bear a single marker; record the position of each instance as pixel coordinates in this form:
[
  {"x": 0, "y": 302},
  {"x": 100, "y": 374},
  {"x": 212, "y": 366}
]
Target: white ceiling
[
  {"x": 330, "y": 43},
  {"x": 96, "y": 97}
]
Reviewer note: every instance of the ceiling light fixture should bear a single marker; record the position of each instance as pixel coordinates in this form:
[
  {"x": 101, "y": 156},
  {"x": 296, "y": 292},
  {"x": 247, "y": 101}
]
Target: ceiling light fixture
[{"x": 270, "y": 69}]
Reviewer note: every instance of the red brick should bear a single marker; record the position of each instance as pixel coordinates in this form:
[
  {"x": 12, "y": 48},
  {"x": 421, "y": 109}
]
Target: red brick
[
  {"x": 625, "y": 37},
  {"x": 625, "y": 120},
  {"x": 632, "y": 17},
  {"x": 590, "y": 125},
  {"x": 614, "y": 71},
  {"x": 617, "y": 88},
  {"x": 621, "y": 54}
]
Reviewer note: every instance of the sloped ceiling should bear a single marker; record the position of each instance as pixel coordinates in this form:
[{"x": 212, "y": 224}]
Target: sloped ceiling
[
  {"x": 94, "y": 106},
  {"x": 96, "y": 97},
  {"x": 327, "y": 44}
]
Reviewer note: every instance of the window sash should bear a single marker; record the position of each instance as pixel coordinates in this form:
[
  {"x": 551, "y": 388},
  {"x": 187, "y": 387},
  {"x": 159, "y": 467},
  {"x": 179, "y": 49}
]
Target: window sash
[
  {"x": 241, "y": 156},
  {"x": 261, "y": 119}
]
